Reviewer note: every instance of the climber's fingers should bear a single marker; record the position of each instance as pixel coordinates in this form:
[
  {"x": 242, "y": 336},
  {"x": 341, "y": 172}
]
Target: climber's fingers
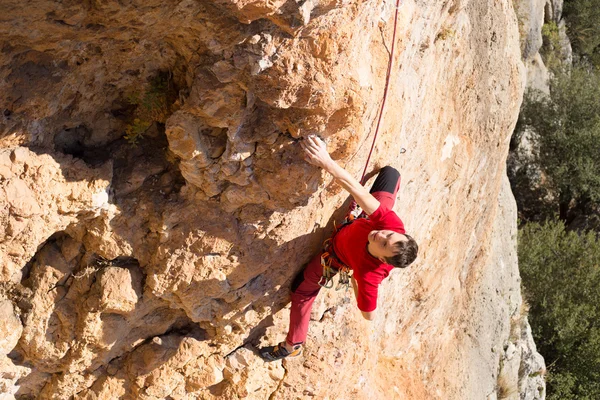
[
  {"x": 315, "y": 151},
  {"x": 315, "y": 146},
  {"x": 316, "y": 142},
  {"x": 305, "y": 144},
  {"x": 308, "y": 148},
  {"x": 311, "y": 157}
]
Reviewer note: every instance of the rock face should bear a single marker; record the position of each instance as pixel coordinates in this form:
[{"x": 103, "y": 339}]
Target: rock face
[
  {"x": 532, "y": 15},
  {"x": 154, "y": 272},
  {"x": 42, "y": 195}
]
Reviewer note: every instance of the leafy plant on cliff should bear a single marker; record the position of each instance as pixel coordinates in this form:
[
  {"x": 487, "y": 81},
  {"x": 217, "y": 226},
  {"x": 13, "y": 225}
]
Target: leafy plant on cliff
[
  {"x": 561, "y": 279},
  {"x": 583, "y": 22},
  {"x": 551, "y": 47},
  {"x": 155, "y": 104},
  {"x": 567, "y": 127}
]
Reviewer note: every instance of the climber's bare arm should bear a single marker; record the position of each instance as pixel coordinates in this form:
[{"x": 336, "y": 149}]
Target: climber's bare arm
[
  {"x": 316, "y": 153},
  {"x": 370, "y": 316}
]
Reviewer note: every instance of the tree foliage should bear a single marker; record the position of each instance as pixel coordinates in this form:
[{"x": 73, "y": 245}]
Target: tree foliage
[
  {"x": 567, "y": 127},
  {"x": 583, "y": 22},
  {"x": 551, "y": 50},
  {"x": 560, "y": 267},
  {"x": 561, "y": 278},
  {"x": 155, "y": 104}
]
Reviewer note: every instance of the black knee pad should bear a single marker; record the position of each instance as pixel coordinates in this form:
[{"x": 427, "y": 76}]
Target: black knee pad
[
  {"x": 386, "y": 180},
  {"x": 391, "y": 171}
]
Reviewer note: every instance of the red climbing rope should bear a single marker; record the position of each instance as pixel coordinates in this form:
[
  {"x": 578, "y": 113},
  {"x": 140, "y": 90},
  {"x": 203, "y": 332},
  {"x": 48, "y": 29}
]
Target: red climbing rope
[{"x": 385, "y": 91}]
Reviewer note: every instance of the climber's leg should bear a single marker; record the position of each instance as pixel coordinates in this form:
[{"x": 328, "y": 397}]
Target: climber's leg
[
  {"x": 303, "y": 297},
  {"x": 386, "y": 185},
  {"x": 305, "y": 289}
]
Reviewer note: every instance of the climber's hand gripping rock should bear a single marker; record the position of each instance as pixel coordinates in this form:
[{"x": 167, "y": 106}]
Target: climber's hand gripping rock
[{"x": 315, "y": 152}]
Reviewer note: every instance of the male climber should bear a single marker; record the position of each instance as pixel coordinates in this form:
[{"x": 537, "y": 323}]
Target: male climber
[{"x": 370, "y": 246}]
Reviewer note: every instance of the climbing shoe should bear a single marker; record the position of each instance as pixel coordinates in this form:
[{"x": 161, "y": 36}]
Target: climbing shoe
[{"x": 278, "y": 352}]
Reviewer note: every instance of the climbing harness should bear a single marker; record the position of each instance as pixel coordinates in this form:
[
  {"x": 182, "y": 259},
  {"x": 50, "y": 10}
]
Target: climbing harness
[
  {"x": 332, "y": 265},
  {"x": 329, "y": 260}
]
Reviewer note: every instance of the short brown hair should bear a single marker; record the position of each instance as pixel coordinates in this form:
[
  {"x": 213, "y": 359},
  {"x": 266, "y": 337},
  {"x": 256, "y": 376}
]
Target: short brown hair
[{"x": 405, "y": 253}]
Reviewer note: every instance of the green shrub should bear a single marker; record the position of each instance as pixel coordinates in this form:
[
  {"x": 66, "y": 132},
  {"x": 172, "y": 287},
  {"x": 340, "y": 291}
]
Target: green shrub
[
  {"x": 135, "y": 131},
  {"x": 551, "y": 48},
  {"x": 567, "y": 124},
  {"x": 155, "y": 104},
  {"x": 561, "y": 279},
  {"x": 583, "y": 23},
  {"x": 550, "y": 32}
]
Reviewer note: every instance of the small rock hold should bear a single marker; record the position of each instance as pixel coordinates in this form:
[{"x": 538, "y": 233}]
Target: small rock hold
[
  {"x": 224, "y": 71},
  {"x": 510, "y": 351},
  {"x": 21, "y": 155},
  {"x": 112, "y": 370},
  {"x": 260, "y": 66},
  {"x": 276, "y": 372},
  {"x": 305, "y": 11},
  {"x": 21, "y": 198},
  {"x": 254, "y": 39}
]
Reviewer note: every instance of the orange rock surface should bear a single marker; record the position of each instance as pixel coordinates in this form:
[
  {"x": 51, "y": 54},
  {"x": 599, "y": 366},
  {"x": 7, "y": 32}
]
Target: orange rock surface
[{"x": 155, "y": 271}]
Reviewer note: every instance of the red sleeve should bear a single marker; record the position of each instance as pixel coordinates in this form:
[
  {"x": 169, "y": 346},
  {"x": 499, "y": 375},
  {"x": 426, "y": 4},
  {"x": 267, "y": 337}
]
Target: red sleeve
[
  {"x": 384, "y": 218},
  {"x": 366, "y": 297}
]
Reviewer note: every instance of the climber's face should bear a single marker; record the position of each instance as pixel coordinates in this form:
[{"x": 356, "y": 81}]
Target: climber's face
[{"x": 381, "y": 243}]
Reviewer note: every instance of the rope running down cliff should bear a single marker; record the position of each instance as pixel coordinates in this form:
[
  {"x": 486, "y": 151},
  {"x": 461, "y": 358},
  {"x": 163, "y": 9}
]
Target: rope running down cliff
[{"x": 385, "y": 92}]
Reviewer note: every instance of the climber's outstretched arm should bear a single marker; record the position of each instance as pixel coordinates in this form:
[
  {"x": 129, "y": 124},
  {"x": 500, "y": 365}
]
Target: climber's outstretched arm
[
  {"x": 316, "y": 153},
  {"x": 368, "y": 315}
]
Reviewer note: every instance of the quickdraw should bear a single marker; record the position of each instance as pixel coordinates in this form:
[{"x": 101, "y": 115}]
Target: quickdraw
[{"x": 328, "y": 259}]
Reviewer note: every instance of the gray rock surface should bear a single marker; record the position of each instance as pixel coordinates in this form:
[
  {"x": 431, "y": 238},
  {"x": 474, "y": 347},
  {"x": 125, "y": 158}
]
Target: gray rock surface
[
  {"x": 553, "y": 10},
  {"x": 537, "y": 74},
  {"x": 531, "y": 18},
  {"x": 566, "y": 50},
  {"x": 516, "y": 370},
  {"x": 532, "y": 370}
]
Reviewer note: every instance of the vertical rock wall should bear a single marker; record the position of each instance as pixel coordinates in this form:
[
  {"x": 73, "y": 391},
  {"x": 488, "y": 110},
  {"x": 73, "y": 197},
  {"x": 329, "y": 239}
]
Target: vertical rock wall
[{"x": 163, "y": 287}]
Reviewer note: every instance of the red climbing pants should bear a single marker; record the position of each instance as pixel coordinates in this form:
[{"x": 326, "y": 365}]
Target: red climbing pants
[{"x": 305, "y": 287}]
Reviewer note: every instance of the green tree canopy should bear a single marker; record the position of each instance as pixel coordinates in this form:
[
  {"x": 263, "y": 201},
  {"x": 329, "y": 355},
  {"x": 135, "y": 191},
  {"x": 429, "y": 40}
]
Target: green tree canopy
[
  {"x": 567, "y": 124},
  {"x": 583, "y": 22},
  {"x": 561, "y": 278}
]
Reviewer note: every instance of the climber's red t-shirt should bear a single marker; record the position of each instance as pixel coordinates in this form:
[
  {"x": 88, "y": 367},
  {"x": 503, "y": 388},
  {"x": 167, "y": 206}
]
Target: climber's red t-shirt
[{"x": 350, "y": 245}]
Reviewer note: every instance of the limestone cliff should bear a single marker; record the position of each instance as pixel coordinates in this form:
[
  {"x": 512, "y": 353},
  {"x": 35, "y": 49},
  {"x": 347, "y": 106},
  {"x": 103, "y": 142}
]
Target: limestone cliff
[{"x": 154, "y": 271}]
